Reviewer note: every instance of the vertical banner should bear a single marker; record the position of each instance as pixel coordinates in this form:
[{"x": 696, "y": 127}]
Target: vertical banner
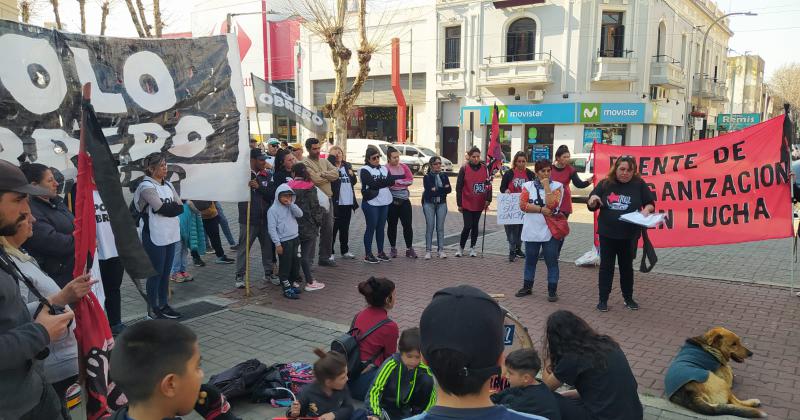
[
  {"x": 728, "y": 189},
  {"x": 181, "y": 97}
]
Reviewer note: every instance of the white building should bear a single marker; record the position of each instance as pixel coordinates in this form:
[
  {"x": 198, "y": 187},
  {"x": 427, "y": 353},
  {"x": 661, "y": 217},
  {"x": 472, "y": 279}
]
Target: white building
[
  {"x": 573, "y": 72},
  {"x": 9, "y": 10}
]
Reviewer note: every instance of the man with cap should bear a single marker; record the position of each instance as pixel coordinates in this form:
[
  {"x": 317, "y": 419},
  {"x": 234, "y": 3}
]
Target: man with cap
[
  {"x": 297, "y": 151},
  {"x": 273, "y": 145},
  {"x": 259, "y": 204},
  {"x": 462, "y": 343},
  {"x": 24, "y": 391}
]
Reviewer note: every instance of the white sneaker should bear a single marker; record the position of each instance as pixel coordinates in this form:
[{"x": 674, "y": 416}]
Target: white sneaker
[
  {"x": 317, "y": 285},
  {"x": 472, "y": 252},
  {"x": 427, "y": 255},
  {"x": 331, "y": 258},
  {"x": 348, "y": 256},
  {"x": 239, "y": 284},
  {"x": 442, "y": 254},
  {"x": 273, "y": 279},
  {"x": 460, "y": 252}
]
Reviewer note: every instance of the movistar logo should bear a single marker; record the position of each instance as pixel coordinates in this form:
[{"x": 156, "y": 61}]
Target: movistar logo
[{"x": 590, "y": 113}]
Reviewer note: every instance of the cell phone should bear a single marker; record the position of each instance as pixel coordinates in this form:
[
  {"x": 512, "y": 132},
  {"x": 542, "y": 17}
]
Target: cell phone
[{"x": 252, "y": 176}]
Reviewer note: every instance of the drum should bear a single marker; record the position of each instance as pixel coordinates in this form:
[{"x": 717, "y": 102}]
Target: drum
[{"x": 515, "y": 337}]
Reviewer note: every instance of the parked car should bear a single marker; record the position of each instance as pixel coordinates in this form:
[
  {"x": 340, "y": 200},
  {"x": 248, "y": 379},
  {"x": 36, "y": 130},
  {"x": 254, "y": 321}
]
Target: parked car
[
  {"x": 357, "y": 148},
  {"x": 584, "y": 165},
  {"x": 425, "y": 154}
]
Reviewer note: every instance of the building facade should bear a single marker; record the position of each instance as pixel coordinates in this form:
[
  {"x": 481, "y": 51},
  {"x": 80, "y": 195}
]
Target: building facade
[
  {"x": 747, "y": 95},
  {"x": 572, "y": 72},
  {"x": 9, "y": 10}
]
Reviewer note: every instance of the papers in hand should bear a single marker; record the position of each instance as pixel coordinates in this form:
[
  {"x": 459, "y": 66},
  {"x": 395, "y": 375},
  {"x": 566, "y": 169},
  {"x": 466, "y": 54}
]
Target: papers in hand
[{"x": 649, "y": 221}]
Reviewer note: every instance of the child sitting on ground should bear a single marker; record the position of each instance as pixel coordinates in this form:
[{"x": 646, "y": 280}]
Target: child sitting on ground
[
  {"x": 403, "y": 386},
  {"x": 283, "y": 229},
  {"x": 526, "y": 394},
  {"x": 156, "y": 364},
  {"x": 327, "y": 397}
]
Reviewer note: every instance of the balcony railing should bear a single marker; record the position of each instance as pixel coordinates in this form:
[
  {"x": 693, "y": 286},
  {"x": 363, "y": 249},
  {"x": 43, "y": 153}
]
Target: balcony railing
[
  {"x": 614, "y": 68},
  {"x": 519, "y": 58},
  {"x": 510, "y": 70}
]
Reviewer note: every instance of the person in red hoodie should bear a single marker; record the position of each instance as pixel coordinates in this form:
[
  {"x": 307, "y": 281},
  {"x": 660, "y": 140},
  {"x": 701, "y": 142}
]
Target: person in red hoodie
[
  {"x": 564, "y": 173},
  {"x": 382, "y": 343},
  {"x": 473, "y": 195}
]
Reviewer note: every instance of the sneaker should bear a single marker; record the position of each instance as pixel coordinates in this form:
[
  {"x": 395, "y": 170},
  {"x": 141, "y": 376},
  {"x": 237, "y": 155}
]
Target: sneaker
[
  {"x": 348, "y": 256},
  {"x": 552, "y": 296},
  {"x": 472, "y": 252},
  {"x": 393, "y": 252},
  {"x": 525, "y": 291},
  {"x": 224, "y": 260},
  {"x": 602, "y": 307},
  {"x": 428, "y": 255},
  {"x": 198, "y": 262},
  {"x": 512, "y": 257},
  {"x": 370, "y": 259},
  {"x": 382, "y": 256},
  {"x": 170, "y": 313},
  {"x": 631, "y": 304},
  {"x": 177, "y": 278},
  {"x": 312, "y": 287},
  {"x": 272, "y": 279},
  {"x": 442, "y": 254},
  {"x": 235, "y": 247},
  {"x": 155, "y": 314},
  {"x": 291, "y": 293},
  {"x": 410, "y": 253},
  {"x": 326, "y": 263},
  {"x": 239, "y": 283},
  {"x": 518, "y": 252},
  {"x": 295, "y": 284},
  {"x": 460, "y": 252},
  {"x": 186, "y": 276}
]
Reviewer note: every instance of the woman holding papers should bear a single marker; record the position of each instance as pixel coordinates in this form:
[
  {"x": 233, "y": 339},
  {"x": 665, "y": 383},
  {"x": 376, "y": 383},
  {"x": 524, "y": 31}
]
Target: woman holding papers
[{"x": 622, "y": 191}]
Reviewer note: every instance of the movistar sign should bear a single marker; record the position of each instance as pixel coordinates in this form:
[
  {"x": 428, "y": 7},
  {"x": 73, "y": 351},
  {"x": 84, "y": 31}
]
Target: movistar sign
[
  {"x": 611, "y": 113},
  {"x": 568, "y": 113}
]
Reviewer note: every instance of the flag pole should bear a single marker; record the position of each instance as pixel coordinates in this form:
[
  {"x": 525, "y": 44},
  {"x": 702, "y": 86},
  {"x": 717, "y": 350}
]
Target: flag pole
[{"x": 787, "y": 134}]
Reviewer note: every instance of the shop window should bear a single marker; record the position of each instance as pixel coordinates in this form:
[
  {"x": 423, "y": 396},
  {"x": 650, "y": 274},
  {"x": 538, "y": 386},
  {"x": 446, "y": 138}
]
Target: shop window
[
  {"x": 520, "y": 40},
  {"x": 612, "y": 35},
  {"x": 605, "y": 133},
  {"x": 504, "y": 138},
  {"x": 452, "y": 47}
]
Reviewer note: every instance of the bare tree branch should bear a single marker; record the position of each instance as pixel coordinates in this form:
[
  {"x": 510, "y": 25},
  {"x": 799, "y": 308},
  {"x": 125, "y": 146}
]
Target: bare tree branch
[
  {"x": 143, "y": 18},
  {"x": 54, "y": 3},
  {"x": 82, "y": 9},
  {"x": 105, "y": 9},
  {"x": 785, "y": 83},
  {"x": 157, "y": 18},
  {"x": 135, "y": 18}
]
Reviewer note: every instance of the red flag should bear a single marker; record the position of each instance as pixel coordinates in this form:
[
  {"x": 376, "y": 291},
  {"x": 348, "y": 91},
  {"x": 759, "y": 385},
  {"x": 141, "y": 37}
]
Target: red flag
[{"x": 494, "y": 156}]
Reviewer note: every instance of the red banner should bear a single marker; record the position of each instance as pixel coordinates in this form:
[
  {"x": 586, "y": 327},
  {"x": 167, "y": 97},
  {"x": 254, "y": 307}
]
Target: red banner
[{"x": 728, "y": 189}]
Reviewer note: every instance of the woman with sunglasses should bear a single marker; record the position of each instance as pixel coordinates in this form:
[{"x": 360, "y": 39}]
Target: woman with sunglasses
[
  {"x": 473, "y": 196},
  {"x": 511, "y": 183},
  {"x": 376, "y": 198},
  {"x": 622, "y": 191},
  {"x": 434, "y": 205}
]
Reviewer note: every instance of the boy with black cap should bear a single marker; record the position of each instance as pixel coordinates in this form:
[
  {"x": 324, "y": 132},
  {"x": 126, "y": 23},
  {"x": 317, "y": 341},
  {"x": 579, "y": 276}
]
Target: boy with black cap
[{"x": 462, "y": 343}]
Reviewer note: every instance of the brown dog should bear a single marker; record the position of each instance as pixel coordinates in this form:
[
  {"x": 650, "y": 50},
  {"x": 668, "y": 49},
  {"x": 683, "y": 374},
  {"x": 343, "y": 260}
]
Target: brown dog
[{"x": 700, "y": 377}]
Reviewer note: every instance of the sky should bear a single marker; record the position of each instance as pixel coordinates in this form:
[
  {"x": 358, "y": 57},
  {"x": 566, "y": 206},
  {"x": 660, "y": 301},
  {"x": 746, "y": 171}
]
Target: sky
[{"x": 772, "y": 34}]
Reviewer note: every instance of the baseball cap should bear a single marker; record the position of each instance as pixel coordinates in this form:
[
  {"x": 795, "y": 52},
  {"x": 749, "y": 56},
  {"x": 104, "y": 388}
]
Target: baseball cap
[
  {"x": 257, "y": 154},
  {"x": 12, "y": 179},
  {"x": 273, "y": 141},
  {"x": 296, "y": 146},
  {"x": 466, "y": 320}
]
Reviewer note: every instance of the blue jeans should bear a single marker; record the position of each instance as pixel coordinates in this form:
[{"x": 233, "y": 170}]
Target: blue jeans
[
  {"x": 434, "y": 218},
  {"x": 360, "y": 387},
  {"x": 223, "y": 224},
  {"x": 161, "y": 257},
  {"x": 550, "y": 250},
  {"x": 376, "y": 223},
  {"x": 181, "y": 258}
]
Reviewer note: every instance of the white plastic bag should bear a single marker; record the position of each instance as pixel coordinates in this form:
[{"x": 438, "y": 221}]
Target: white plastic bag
[
  {"x": 589, "y": 259},
  {"x": 324, "y": 201}
]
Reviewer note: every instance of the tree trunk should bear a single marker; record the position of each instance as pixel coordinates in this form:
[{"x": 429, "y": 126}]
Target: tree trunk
[
  {"x": 25, "y": 11},
  {"x": 157, "y": 18},
  {"x": 82, "y": 8},
  {"x": 143, "y": 18},
  {"x": 57, "y": 15},
  {"x": 105, "y": 8},
  {"x": 340, "y": 130},
  {"x": 135, "y": 18}
]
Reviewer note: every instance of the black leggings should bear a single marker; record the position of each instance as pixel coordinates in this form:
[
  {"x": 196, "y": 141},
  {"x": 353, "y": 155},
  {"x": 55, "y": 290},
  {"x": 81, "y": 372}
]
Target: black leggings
[
  {"x": 341, "y": 225},
  {"x": 402, "y": 213},
  {"x": 622, "y": 251},
  {"x": 471, "y": 222},
  {"x": 111, "y": 271},
  {"x": 212, "y": 230}
]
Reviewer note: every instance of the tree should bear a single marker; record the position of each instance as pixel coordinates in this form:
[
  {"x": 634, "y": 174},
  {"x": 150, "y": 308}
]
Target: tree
[
  {"x": 54, "y": 3},
  {"x": 82, "y": 8},
  {"x": 29, "y": 9},
  {"x": 331, "y": 26},
  {"x": 105, "y": 9},
  {"x": 785, "y": 83},
  {"x": 135, "y": 18}
]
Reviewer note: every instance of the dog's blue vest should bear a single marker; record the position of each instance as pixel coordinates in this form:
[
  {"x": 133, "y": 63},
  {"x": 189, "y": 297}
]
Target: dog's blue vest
[{"x": 692, "y": 363}]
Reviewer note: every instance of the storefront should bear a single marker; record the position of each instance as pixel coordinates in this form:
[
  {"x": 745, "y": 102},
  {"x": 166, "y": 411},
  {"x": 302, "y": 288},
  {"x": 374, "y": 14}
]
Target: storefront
[{"x": 373, "y": 122}]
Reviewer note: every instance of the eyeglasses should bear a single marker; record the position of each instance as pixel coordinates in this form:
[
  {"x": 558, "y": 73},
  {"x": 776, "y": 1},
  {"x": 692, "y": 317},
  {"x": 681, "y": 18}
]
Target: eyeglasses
[
  {"x": 375, "y": 157},
  {"x": 272, "y": 145}
]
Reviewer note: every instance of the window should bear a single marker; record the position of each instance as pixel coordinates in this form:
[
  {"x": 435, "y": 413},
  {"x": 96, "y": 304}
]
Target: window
[
  {"x": 452, "y": 47},
  {"x": 612, "y": 35},
  {"x": 661, "y": 41},
  {"x": 520, "y": 40}
]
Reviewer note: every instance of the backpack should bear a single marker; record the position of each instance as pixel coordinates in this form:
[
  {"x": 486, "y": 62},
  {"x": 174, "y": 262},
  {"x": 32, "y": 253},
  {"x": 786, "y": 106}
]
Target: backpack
[
  {"x": 240, "y": 379},
  {"x": 348, "y": 346}
]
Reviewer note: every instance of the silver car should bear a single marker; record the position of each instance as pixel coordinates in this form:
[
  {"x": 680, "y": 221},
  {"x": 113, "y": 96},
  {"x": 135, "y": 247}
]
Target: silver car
[
  {"x": 425, "y": 155},
  {"x": 584, "y": 166}
]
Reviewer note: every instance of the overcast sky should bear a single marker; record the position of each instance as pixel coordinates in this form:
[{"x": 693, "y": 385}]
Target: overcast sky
[{"x": 772, "y": 34}]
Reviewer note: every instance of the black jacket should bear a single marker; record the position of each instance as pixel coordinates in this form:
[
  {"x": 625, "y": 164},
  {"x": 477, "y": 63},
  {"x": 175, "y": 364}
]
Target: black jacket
[
  {"x": 370, "y": 185},
  {"x": 279, "y": 177},
  {"x": 531, "y": 399},
  {"x": 429, "y": 182},
  {"x": 509, "y": 175},
  {"x": 314, "y": 402},
  {"x": 337, "y": 185},
  {"x": 52, "y": 243},
  {"x": 259, "y": 202}
]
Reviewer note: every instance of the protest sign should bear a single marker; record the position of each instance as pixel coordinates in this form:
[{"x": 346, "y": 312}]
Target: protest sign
[
  {"x": 183, "y": 97},
  {"x": 271, "y": 100},
  {"x": 508, "y": 211},
  {"x": 728, "y": 189}
]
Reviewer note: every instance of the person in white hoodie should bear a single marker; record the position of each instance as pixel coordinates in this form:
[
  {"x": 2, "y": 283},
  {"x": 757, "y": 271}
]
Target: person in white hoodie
[{"x": 283, "y": 229}]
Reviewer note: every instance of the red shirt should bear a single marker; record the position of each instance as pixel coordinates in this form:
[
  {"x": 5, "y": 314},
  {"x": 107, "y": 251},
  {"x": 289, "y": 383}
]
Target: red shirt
[
  {"x": 383, "y": 341},
  {"x": 519, "y": 179},
  {"x": 564, "y": 176}
]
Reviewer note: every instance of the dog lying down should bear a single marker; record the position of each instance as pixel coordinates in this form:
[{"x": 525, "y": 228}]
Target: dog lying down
[{"x": 700, "y": 376}]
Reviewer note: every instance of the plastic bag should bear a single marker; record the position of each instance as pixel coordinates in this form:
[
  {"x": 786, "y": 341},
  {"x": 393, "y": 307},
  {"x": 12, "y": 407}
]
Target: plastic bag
[{"x": 589, "y": 259}]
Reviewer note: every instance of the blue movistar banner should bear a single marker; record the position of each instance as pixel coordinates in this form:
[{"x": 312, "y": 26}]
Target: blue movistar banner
[{"x": 569, "y": 113}]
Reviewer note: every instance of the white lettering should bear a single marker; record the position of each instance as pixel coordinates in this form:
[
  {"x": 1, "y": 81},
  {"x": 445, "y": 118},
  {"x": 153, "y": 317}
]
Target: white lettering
[
  {"x": 10, "y": 145},
  {"x": 185, "y": 147},
  {"x": 277, "y": 101},
  {"x": 306, "y": 114},
  {"x": 147, "y": 138},
  {"x": 148, "y": 63},
  {"x": 317, "y": 120},
  {"x": 111, "y": 103},
  {"x": 20, "y": 53},
  {"x": 54, "y": 147},
  {"x": 265, "y": 98}
]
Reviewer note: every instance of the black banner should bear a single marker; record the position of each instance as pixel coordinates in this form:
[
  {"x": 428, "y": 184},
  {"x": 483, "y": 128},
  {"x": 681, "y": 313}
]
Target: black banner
[
  {"x": 182, "y": 97},
  {"x": 271, "y": 100}
]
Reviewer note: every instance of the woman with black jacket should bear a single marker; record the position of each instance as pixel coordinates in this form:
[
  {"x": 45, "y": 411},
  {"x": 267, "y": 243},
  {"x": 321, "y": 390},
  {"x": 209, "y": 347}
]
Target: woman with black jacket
[
  {"x": 52, "y": 244},
  {"x": 375, "y": 183},
  {"x": 512, "y": 182},
  {"x": 344, "y": 200},
  {"x": 434, "y": 205},
  {"x": 284, "y": 161}
]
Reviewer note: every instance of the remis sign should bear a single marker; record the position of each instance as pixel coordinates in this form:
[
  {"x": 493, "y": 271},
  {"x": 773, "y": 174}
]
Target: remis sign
[
  {"x": 731, "y": 122},
  {"x": 611, "y": 113}
]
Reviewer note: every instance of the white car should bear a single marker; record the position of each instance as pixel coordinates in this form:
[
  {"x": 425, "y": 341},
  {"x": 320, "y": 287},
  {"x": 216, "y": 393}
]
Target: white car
[
  {"x": 357, "y": 148},
  {"x": 584, "y": 165},
  {"x": 425, "y": 154}
]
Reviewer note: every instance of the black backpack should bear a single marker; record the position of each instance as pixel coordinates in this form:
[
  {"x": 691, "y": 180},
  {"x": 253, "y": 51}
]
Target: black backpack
[{"x": 347, "y": 345}]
